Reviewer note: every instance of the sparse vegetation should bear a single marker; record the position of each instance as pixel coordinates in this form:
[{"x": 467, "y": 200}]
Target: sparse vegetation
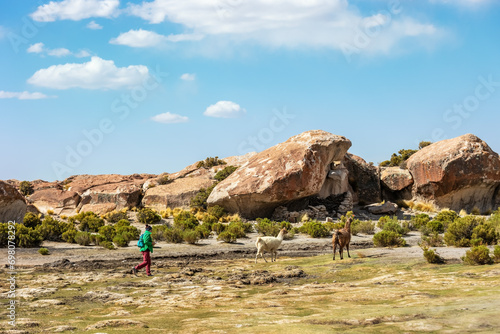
[
  {"x": 386, "y": 238},
  {"x": 224, "y": 173},
  {"x": 83, "y": 238},
  {"x": 420, "y": 220},
  {"x": 164, "y": 179},
  {"x": 200, "y": 200},
  {"x": 210, "y": 162},
  {"x": 432, "y": 240},
  {"x": 31, "y": 220},
  {"x": 432, "y": 256},
  {"x": 115, "y": 216},
  {"x": 26, "y": 188},
  {"x": 43, "y": 251},
  {"x": 366, "y": 227},
  {"x": 496, "y": 254},
  {"x": 52, "y": 229},
  {"x": 314, "y": 229},
  {"x": 185, "y": 221},
  {"x": 227, "y": 237},
  {"x": 398, "y": 159},
  {"x": 460, "y": 232},
  {"x": 148, "y": 216},
  {"x": 267, "y": 227},
  {"x": 478, "y": 255},
  {"x": 26, "y": 237},
  {"x": 217, "y": 211}
]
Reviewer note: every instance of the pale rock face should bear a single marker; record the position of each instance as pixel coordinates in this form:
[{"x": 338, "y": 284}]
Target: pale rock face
[
  {"x": 396, "y": 178},
  {"x": 57, "y": 200},
  {"x": 458, "y": 173},
  {"x": 288, "y": 171},
  {"x": 12, "y": 204}
]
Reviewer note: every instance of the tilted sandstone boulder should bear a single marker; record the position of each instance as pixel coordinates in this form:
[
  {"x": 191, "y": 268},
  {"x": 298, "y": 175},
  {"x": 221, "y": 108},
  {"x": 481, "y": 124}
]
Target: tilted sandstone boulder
[
  {"x": 288, "y": 171},
  {"x": 12, "y": 204},
  {"x": 395, "y": 178},
  {"x": 56, "y": 199},
  {"x": 458, "y": 173},
  {"x": 364, "y": 180},
  {"x": 382, "y": 209}
]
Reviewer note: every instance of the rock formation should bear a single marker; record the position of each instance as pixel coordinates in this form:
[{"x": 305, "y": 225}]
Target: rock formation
[
  {"x": 396, "y": 183},
  {"x": 364, "y": 180},
  {"x": 12, "y": 204},
  {"x": 458, "y": 173},
  {"x": 292, "y": 170}
]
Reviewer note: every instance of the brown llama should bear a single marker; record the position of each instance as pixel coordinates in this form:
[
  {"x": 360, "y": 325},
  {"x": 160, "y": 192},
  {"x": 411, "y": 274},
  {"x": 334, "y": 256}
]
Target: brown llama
[{"x": 342, "y": 238}]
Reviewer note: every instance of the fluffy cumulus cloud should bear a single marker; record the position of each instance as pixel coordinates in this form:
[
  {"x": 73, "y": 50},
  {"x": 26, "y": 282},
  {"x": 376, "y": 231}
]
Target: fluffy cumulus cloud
[
  {"x": 75, "y": 10},
  {"x": 334, "y": 24},
  {"x": 188, "y": 77},
  {"x": 22, "y": 95},
  {"x": 145, "y": 38},
  {"x": 169, "y": 118},
  {"x": 94, "y": 74},
  {"x": 36, "y": 48},
  {"x": 225, "y": 109},
  {"x": 94, "y": 26}
]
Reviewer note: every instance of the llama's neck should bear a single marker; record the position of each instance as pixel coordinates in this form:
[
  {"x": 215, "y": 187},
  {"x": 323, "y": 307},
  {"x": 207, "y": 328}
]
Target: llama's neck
[
  {"x": 348, "y": 224},
  {"x": 280, "y": 235}
]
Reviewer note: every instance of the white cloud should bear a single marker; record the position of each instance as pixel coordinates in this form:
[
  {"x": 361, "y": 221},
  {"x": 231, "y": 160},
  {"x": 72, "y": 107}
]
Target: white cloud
[
  {"x": 169, "y": 118},
  {"x": 60, "y": 52},
  {"x": 94, "y": 26},
  {"x": 188, "y": 76},
  {"x": 225, "y": 109},
  {"x": 145, "y": 38},
  {"x": 22, "y": 95},
  {"x": 285, "y": 23},
  {"x": 94, "y": 74},
  {"x": 75, "y": 10},
  {"x": 35, "y": 48}
]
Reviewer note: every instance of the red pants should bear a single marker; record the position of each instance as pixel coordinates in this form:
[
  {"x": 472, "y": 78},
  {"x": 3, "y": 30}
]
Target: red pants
[{"x": 146, "y": 262}]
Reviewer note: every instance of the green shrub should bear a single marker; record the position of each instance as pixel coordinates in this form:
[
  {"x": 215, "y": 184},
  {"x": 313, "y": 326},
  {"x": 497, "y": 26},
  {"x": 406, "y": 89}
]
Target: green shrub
[
  {"x": 83, "y": 238},
  {"x": 134, "y": 232},
  {"x": 52, "y": 229},
  {"x": 190, "y": 236},
  {"x": 388, "y": 239},
  {"x": 433, "y": 240},
  {"x": 107, "y": 244},
  {"x": 384, "y": 219},
  {"x": 486, "y": 232},
  {"x": 122, "y": 223},
  {"x": 163, "y": 180},
  {"x": 219, "y": 228},
  {"x": 432, "y": 257},
  {"x": 108, "y": 232},
  {"x": 202, "y": 231},
  {"x": 31, "y": 220},
  {"x": 43, "y": 251},
  {"x": 224, "y": 173},
  {"x": 460, "y": 232},
  {"x": 115, "y": 216},
  {"x": 366, "y": 227},
  {"x": 217, "y": 211},
  {"x": 26, "y": 188},
  {"x": 4, "y": 235},
  {"x": 394, "y": 227},
  {"x": 478, "y": 255},
  {"x": 200, "y": 199},
  {"x": 496, "y": 254},
  {"x": 330, "y": 226},
  {"x": 226, "y": 237},
  {"x": 314, "y": 229},
  {"x": 446, "y": 217},
  {"x": 27, "y": 237},
  {"x": 120, "y": 241},
  {"x": 91, "y": 223},
  {"x": 423, "y": 144},
  {"x": 267, "y": 227},
  {"x": 97, "y": 239},
  {"x": 159, "y": 232},
  {"x": 185, "y": 220},
  {"x": 69, "y": 236},
  {"x": 210, "y": 220},
  {"x": 420, "y": 220},
  {"x": 435, "y": 226},
  {"x": 148, "y": 216},
  {"x": 286, "y": 225},
  {"x": 237, "y": 229},
  {"x": 398, "y": 159},
  {"x": 210, "y": 162},
  {"x": 174, "y": 235},
  {"x": 475, "y": 211}
]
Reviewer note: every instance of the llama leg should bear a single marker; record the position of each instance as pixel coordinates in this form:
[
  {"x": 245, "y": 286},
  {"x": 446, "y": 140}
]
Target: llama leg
[
  {"x": 341, "y": 252},
  {"x": 256, "y": 256},
  {"x": 347, "y": 247},
  {"x": 334, "y": 250},
  {"x": 262, "y": 254}
]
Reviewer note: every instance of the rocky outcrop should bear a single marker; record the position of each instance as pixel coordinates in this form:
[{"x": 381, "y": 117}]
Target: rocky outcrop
[
  {"x": 177, "y": 193},
  {"x": 364, "y": 180},
  {"x": 12, "y": 204},
  {"x": 458, "y": 173},
  {"x": 289, "y": 171},
  {"x": 55, "y": 199},
  {"x": 395, "y": 178},
  {"x": 105, "y": 193},
  {"x": 382, "y": 209}
]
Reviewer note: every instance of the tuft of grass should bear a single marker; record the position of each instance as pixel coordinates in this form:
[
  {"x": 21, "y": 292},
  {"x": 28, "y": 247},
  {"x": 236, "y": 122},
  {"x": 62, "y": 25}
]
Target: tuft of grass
[{"x": 43, "y": 251}]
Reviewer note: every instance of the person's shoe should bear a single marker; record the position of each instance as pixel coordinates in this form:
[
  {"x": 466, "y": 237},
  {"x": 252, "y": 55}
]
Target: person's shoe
[
  {"x": 150, "y": 275},
  {"x": 134, "y": 271}
]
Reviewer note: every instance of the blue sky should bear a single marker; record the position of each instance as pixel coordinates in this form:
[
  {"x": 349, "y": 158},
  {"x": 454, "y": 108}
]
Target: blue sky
[{"x": 108, "y": 86}]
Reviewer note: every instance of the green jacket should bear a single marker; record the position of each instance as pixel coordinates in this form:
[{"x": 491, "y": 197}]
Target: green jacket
[{"x": 148, "y": 242}]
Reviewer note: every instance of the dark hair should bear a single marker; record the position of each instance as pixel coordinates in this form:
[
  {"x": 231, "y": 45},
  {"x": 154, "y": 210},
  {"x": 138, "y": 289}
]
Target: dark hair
[{"x": 148, "y": 228}]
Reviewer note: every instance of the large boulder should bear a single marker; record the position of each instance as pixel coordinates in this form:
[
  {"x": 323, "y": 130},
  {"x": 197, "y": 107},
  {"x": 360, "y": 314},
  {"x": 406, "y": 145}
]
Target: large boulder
[
  {"x": 382, "y": 208},
  {"x": 55, "y": 199},
  {"x": 396, "y": 178},
  {"x": 364, "y": 180},
  {"x": 458, "y": 173},
  {"x": 12, "y": 204},
  {"x": 104, "y": 193},
  {"x": 292, "y": 170}
]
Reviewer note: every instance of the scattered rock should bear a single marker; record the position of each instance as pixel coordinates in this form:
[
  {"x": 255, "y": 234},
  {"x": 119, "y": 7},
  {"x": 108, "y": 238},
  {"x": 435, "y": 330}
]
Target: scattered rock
[
  {"x": 381, "y": 209},
  {"x": 47, "y": 303},
  {"x": 60, "y": 329},
  {"x": 116, "y": 323},
  {"x": 395, "y": 178}
]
